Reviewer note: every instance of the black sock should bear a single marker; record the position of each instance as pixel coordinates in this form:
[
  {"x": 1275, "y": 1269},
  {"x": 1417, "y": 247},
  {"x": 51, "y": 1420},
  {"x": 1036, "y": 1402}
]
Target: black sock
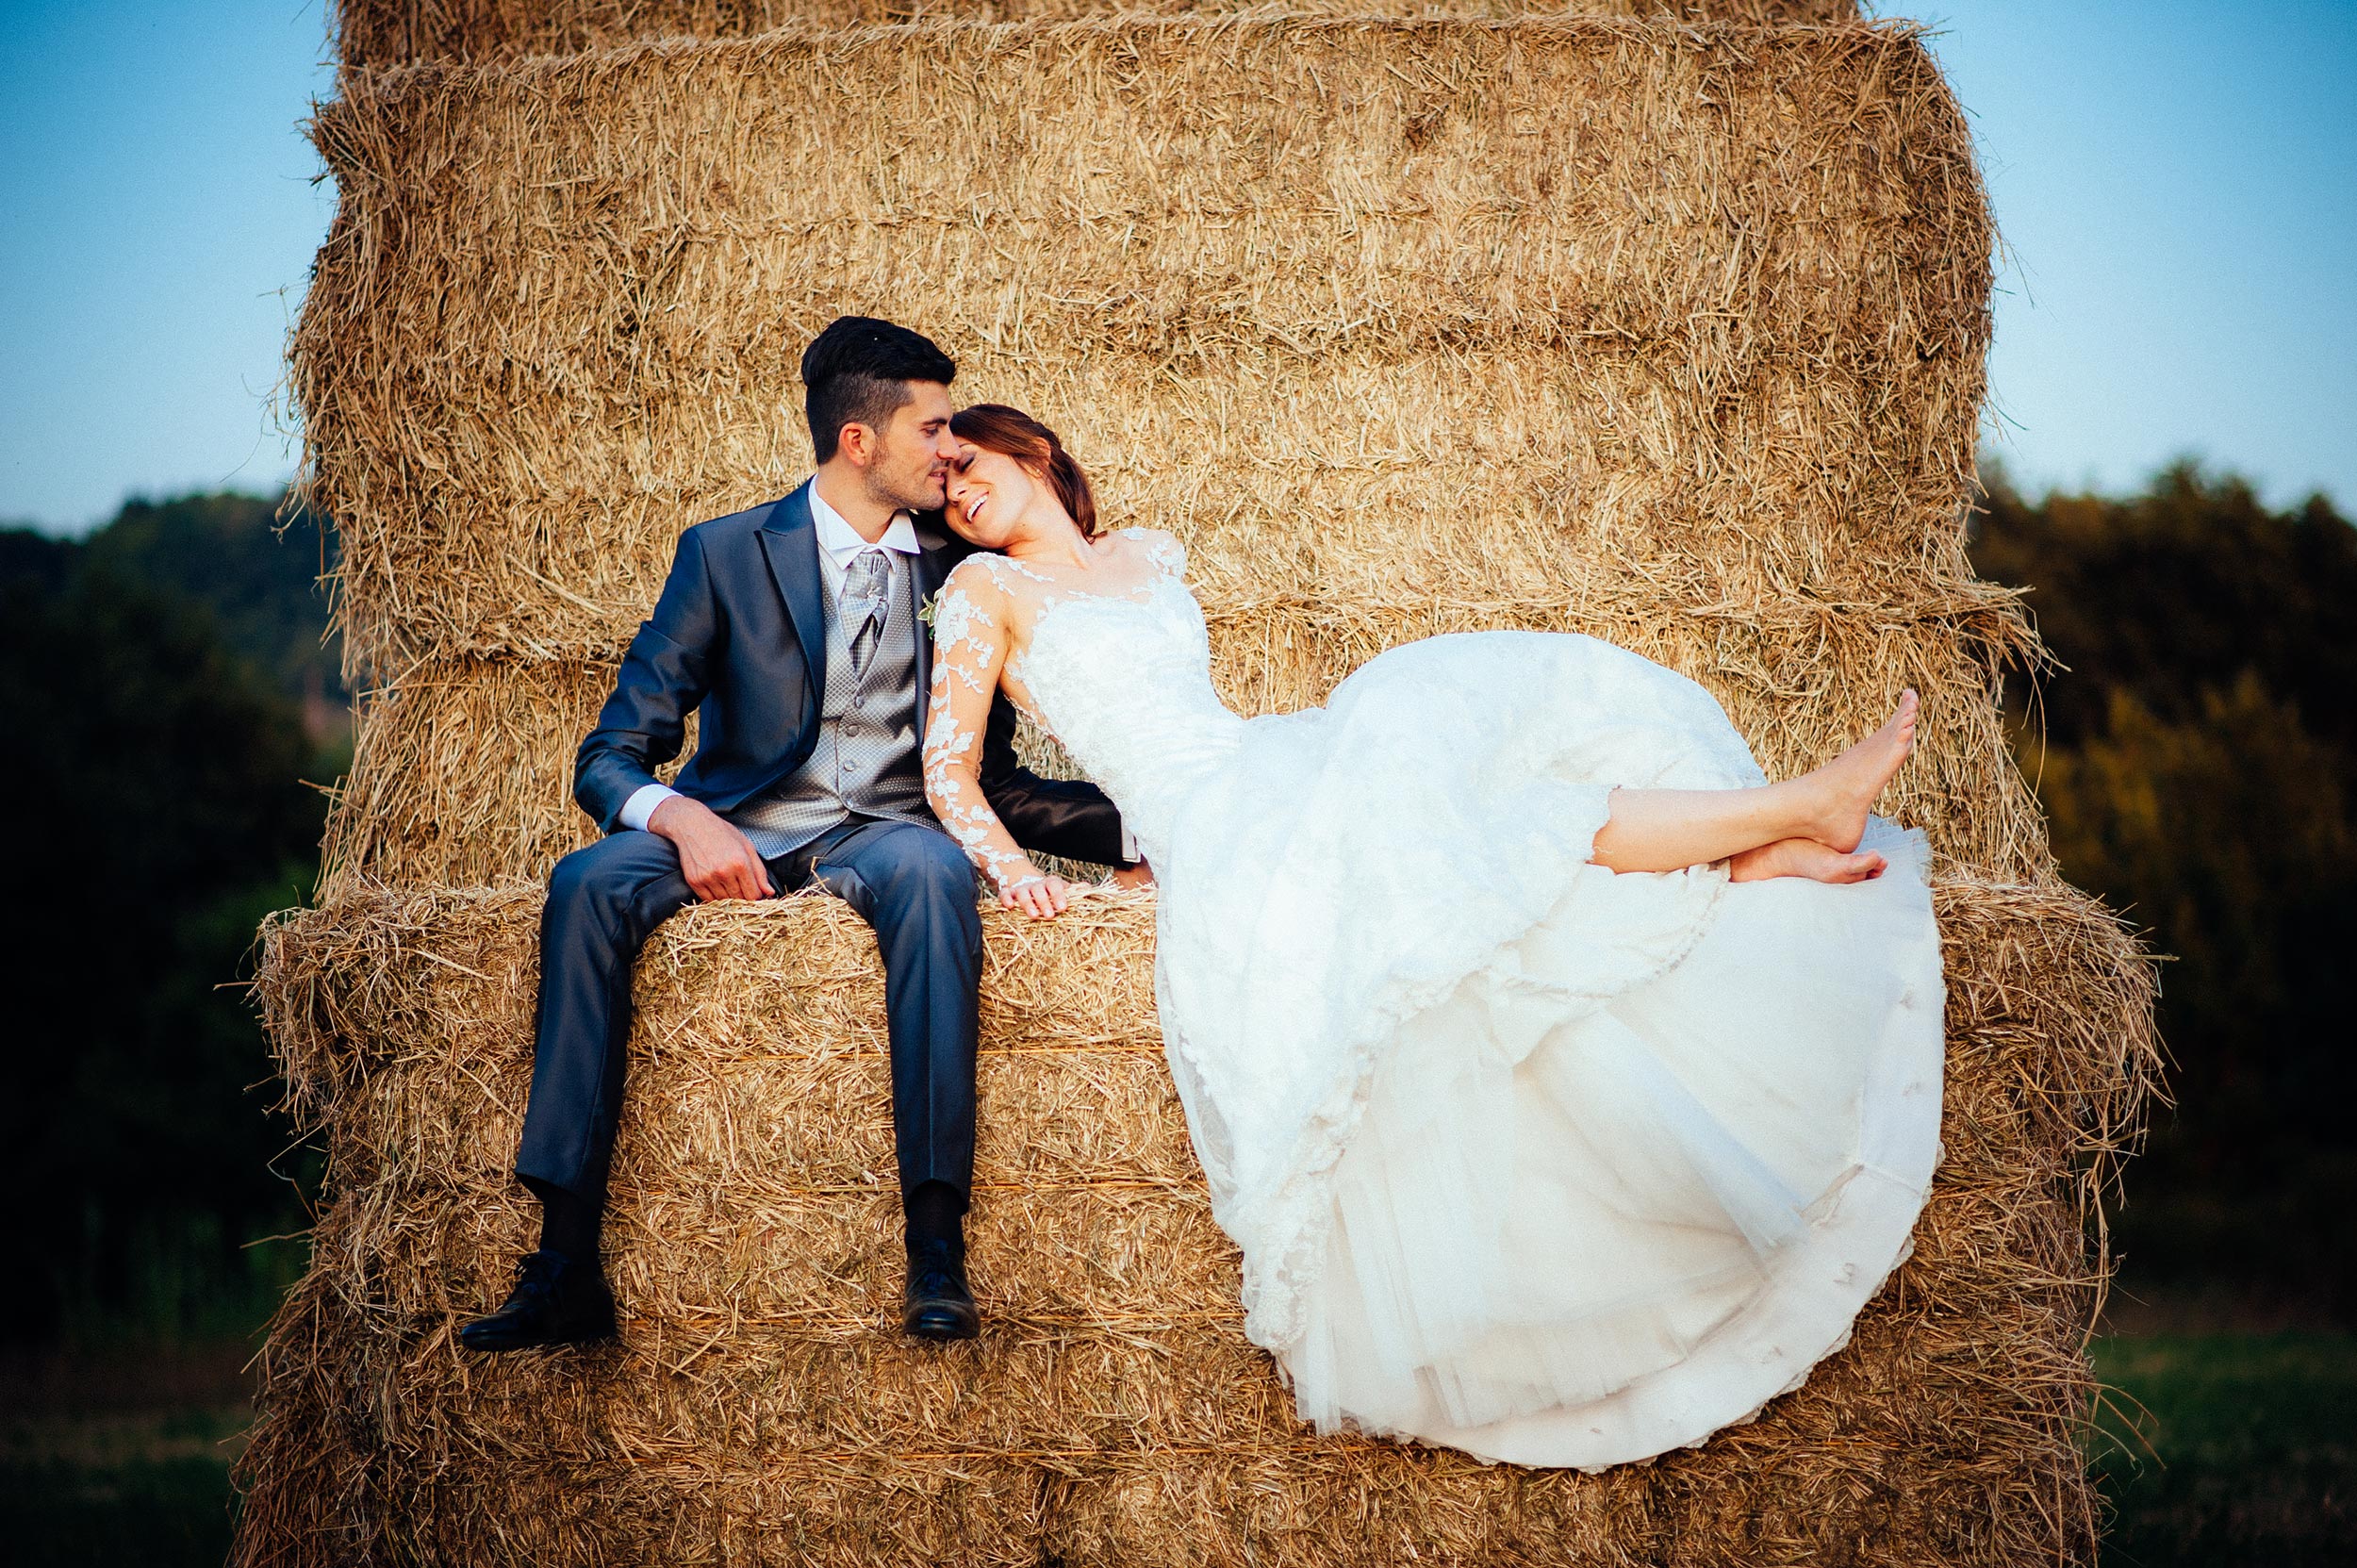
[
  {"x": 570, "y": 1224},
  {"x": 936, "y": 1212}
]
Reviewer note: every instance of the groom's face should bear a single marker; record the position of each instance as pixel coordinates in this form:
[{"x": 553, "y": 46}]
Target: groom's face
[{"x": 912, "y": 453}]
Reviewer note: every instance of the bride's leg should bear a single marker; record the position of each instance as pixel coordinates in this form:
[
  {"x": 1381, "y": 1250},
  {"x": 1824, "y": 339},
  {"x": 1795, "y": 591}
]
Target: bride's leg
[{"x": 1668, "y": 830}]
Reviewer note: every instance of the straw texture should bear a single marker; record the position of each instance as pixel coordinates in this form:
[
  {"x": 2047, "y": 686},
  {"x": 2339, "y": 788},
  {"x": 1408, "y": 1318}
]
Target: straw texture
[
  {"x": 1666, "y": 326},
  {"x": 758, "y": 1412},
  {"x": 394, "y": 32},
  {"x": 1668, "y": 333}
]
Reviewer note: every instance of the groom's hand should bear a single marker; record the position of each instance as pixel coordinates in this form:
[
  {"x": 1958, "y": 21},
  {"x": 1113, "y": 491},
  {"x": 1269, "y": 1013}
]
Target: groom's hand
[{"x": 718, "y": 861}]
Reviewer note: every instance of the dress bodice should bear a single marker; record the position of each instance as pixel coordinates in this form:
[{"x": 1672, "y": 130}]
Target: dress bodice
[{"x": 1124, "y": 684}]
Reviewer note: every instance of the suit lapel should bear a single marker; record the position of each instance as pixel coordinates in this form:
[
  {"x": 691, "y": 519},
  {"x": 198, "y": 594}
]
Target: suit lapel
[{"x": 789, "y": 539}]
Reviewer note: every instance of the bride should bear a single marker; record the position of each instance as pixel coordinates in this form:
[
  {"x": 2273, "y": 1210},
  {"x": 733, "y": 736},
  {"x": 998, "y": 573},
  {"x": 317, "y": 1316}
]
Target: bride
[{"x": 1567, "y": 1086}]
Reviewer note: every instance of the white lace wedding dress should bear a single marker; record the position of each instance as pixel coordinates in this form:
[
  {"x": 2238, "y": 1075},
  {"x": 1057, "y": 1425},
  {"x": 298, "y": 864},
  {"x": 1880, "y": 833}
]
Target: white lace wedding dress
[{"x": 1545, "y": 1163}]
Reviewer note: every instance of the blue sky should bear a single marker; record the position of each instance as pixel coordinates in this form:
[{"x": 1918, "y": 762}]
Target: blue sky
[
  {"x": 2177, "y": 183},
  {"x": 2177, "y": 187}
]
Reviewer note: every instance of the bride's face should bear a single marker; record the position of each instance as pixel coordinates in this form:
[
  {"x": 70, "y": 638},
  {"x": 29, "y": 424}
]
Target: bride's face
[{"x": 988, "y": 490}]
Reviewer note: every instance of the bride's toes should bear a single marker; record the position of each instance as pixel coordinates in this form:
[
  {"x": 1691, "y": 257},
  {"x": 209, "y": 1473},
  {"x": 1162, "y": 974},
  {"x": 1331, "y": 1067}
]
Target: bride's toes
[
  {"x": 1826, "y": 865},
  {"x": 1858, "y": 867},
  {"x": 1805, "y": 857}
]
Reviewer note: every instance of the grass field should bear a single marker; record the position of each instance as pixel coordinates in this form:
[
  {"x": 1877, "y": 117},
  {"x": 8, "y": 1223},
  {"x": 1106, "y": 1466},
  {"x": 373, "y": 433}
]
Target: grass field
[
  {"x": 2235, "y": 1449},
  {"x": 145, "y": 1491},
  {"x": 2217, "y": 1450}
]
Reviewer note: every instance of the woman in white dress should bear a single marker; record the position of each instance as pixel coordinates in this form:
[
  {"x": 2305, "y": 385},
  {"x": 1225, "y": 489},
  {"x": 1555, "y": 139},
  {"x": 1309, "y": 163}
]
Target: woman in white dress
[{"x": 1567, "y": 1086}]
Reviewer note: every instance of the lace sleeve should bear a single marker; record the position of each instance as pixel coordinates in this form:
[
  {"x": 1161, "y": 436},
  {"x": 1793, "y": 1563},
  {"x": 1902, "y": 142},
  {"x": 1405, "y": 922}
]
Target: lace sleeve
[
  {"x": 1162, "y": 550},
  {"x": 970, "y": 633}
]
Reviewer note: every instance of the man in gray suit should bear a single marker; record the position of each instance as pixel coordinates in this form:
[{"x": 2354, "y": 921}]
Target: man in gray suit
[{"x": 792, "y": 629}]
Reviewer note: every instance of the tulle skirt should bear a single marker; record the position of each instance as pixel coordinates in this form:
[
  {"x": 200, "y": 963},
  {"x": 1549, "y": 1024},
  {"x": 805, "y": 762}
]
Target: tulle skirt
[{"x": 1550, "y": 1165}]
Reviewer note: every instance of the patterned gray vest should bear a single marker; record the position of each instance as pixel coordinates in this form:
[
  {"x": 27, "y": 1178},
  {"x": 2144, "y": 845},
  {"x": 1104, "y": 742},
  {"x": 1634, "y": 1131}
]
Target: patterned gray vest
[{"x": 866, "y": 757}]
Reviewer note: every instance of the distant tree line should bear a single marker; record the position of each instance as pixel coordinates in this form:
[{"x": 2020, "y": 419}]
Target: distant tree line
[
  {"x": 2197, "y": 760},
  {"x": 164, "y": 694}
]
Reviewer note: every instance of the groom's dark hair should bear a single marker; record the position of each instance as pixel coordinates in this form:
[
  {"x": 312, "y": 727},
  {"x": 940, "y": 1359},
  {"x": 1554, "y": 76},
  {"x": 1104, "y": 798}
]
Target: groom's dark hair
[{"x": 858, "y": 371}]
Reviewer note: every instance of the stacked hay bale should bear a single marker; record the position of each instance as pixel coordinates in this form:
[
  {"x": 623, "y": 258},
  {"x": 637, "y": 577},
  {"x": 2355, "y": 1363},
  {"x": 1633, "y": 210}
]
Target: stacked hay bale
[
  {"x": 1666, "y": 330},
  {"x": 1665, "y": 333},
  {"x": 375, "y": 33}
]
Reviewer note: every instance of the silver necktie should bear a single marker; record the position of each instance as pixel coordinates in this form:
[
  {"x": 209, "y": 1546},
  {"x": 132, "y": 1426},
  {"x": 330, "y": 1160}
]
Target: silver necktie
[{"x": 864, "y": 588}]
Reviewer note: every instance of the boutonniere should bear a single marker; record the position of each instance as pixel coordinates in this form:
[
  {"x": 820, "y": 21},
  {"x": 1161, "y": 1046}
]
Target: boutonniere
[{"x": 930, "y": 607}]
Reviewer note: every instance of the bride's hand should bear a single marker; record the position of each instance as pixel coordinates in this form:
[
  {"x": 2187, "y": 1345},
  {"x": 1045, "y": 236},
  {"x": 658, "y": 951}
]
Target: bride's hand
[{"x": 1036, "y": 894}]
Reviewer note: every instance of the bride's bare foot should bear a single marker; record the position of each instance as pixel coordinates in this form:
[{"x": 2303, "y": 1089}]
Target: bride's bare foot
[
  {"x": 1804, "y": 857},
  {"x": 1846, "y": 786}
]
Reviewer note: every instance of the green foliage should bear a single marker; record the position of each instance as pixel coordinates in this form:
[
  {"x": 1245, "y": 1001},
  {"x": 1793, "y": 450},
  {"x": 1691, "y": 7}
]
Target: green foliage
[
  {"x": 2195, "y": 765},
  {"x": 2178, "y": 591},
  {"x": 155, "y": 775},
  {"x": 257, "y": 576}
]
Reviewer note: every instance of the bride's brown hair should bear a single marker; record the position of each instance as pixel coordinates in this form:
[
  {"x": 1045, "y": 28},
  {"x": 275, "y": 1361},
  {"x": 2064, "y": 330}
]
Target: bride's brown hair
[{"x": 1012, "y": 433}]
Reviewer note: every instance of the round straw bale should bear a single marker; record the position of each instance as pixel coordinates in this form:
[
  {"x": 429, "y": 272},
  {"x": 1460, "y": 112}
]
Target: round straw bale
[
  {"x": 463, "y": 772},
  {"x": 758, "y": 1410},
  {"x": 1707, "y": 390},
  {"x": 1667, "y": 331},
  {"x": 1378, "y": 316},
  {"x": 391, "y": 32},
  {"x": 1584, "y": 285}
]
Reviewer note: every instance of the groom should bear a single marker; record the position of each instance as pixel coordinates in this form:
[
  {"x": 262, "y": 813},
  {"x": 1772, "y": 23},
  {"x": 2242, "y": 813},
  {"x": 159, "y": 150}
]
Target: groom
[{"x": 793, "y": 629}]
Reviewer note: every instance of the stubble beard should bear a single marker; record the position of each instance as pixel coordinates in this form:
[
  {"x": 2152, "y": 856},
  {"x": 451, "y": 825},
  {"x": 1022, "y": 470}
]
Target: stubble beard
[{"x": 917, "y": 488}]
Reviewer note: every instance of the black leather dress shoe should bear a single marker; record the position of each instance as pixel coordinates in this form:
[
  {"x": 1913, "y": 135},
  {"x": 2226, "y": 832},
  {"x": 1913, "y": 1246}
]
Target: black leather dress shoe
[
  {"x": 557, "y": 1301},
  {"x": 939, "y": 1307}
]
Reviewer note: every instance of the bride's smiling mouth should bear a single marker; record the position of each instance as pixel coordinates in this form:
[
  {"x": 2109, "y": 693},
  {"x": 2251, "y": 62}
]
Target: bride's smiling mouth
[{"x": 974, "y": 507}]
